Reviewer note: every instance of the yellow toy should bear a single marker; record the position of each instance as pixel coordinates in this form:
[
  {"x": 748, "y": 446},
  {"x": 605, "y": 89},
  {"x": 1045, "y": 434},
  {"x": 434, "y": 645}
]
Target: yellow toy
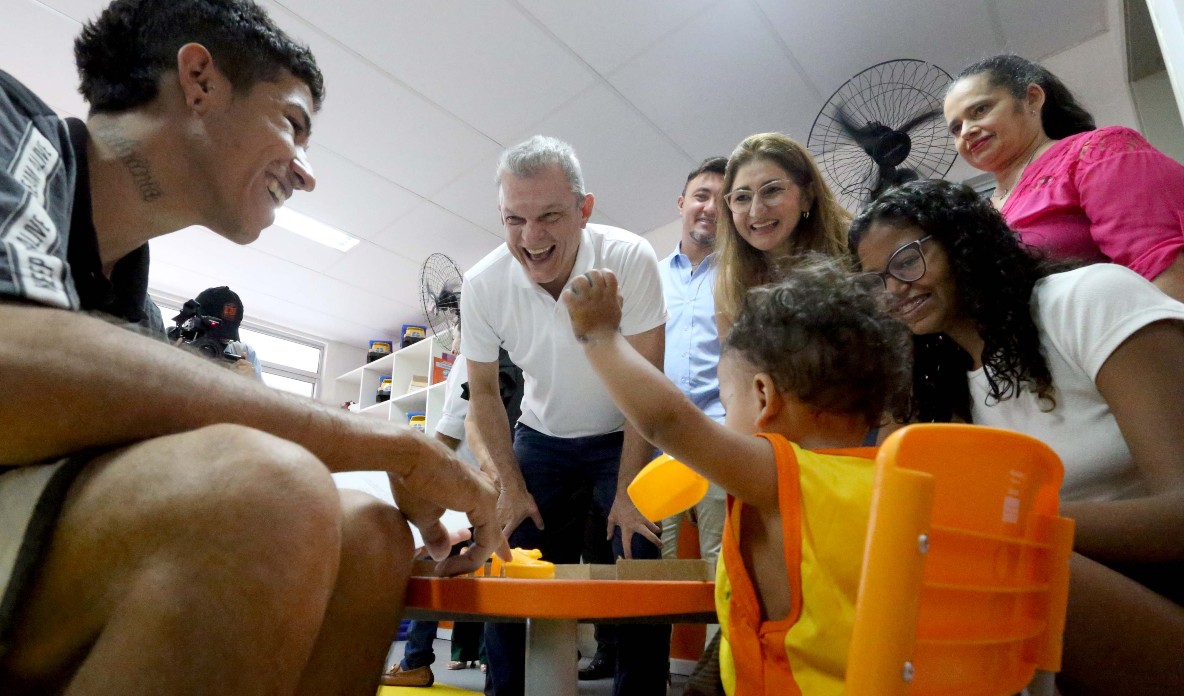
[
  {"x": 666, "y": 487},
  {"x": 524, "y": 563}
]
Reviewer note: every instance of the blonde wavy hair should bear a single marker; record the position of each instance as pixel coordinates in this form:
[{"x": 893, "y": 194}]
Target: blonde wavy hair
[{"x": 824, "y": 231}]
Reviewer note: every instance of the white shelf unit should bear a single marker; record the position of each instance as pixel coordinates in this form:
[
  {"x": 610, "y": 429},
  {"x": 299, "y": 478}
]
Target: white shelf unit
[{"x": 416, "y": 360}]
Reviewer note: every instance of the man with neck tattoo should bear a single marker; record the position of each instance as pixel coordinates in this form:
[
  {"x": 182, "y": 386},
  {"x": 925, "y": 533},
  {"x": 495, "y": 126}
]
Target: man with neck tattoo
[{"x": 167, "y": 527}]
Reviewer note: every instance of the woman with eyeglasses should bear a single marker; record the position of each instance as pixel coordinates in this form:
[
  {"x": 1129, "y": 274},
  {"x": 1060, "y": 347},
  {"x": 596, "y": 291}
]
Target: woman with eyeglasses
[
  {"x": 779, "y": 208},
  {"x": 1091, "y": 361},
  {"x": 1073, "y": 190}
]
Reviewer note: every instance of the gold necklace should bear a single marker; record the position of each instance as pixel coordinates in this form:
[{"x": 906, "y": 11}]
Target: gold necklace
[{"x": 1007, "y": 192}]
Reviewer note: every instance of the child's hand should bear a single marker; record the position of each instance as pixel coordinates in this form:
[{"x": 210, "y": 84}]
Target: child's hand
[{"x": 594, "y": 305}]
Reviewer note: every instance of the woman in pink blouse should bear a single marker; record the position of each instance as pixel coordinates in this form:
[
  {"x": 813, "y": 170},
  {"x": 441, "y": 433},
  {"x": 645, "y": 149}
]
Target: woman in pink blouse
[{"x": 1074, "y": 191}]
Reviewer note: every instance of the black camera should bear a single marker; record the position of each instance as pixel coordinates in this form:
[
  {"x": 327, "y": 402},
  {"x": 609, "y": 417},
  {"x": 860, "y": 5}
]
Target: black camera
[{"x": 209, "y": 336}]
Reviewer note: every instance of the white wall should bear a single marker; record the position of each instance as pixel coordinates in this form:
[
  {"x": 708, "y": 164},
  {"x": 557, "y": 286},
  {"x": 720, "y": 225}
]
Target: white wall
[
  {"x": 1168, "y": 18},
  {"x": 1096, "y": 72},
  {"x": 665, "y": 237},
  {"x": 339, "y": 359},
  {"x": 1158, "y": 116}
]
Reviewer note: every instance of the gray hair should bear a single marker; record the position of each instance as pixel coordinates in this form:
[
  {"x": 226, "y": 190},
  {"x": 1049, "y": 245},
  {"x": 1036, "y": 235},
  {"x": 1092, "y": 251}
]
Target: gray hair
[{"x": 536, "y": 154}]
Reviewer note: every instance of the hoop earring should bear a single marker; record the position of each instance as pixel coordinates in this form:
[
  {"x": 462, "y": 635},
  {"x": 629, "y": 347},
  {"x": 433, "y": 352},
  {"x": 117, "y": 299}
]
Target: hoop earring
[{"x": 806, "y": 215}]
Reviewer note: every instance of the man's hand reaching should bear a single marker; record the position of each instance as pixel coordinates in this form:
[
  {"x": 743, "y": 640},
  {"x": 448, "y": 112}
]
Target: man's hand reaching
[{"x": 440, "y": 481}]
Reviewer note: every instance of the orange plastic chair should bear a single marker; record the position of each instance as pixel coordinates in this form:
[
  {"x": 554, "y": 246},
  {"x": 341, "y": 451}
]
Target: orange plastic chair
[{"x": 966, "y": 567}]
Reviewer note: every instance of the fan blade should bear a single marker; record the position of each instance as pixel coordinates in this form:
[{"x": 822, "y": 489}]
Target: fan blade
[
  {"x": 447, "y": 299},
  {"x": 909, "y": 125},
  {"x": 863, "y": 135}
]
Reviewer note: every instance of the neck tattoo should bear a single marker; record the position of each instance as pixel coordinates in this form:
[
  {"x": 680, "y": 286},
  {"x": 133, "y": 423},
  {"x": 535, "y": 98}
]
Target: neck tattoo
[
  {"x": 1003, "y": 193},
  {"x": 127, "y": 150}
]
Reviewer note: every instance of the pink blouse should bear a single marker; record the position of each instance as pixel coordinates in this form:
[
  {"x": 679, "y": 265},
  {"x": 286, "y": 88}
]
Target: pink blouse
[{"x": 1102, "y": 195}]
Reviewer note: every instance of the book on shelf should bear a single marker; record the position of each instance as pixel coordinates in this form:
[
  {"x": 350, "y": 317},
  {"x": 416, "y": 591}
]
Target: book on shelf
[{"x": 441, "y": 367}]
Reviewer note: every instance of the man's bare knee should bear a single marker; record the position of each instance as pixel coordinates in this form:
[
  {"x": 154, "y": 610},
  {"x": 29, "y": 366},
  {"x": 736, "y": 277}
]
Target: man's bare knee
[
  {"x": 374, "y": 529},
  {"x": 223, "y": 516}
]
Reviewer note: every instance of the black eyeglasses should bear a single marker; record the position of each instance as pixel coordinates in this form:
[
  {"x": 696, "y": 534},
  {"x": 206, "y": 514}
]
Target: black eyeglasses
[{"x": 907, "y": 264}]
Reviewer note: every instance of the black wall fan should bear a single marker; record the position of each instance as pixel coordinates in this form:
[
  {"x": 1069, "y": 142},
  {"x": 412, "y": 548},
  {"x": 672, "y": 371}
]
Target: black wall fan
[
  {"x": 439, "y": 295},
  {"x": 881, "y": 128}
]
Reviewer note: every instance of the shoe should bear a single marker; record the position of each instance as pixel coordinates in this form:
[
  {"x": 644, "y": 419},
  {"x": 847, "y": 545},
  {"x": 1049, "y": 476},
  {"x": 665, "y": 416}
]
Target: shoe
[
  {"x": 601, "y": 667},
  {"x": 461, "y": 664},
  {"x": 396, "y": 676}
]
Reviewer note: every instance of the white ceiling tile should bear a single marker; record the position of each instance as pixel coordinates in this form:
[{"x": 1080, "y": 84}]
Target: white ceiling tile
[
  {"x": 599, "y": 217},
  {"x": 332, "y": 296},
  {"x": 454, "y": 52},
  {"x": 379, "y": 272},
  {"x": 350, "y": 198},
  {"x": 301, "y": 251},
  {"x": 37, "y": 47},
  {"x": 78, "y": 10},
  {"x": 250, "y": 272},
  {"x": 235, "y": 265},
  {"x": 430, "y": 228},
  {"x": 835, "y": 40},
  {"x": 262, "y": 306},
  {"x": 474, "y": 196},
  {"x": 608, "y": 33},
  {"x": 609, "y": 136},
  {"x": 382, "y": 125},
  {"x": 1036, "y": 29},
  {"x": 709, "y": 99}
]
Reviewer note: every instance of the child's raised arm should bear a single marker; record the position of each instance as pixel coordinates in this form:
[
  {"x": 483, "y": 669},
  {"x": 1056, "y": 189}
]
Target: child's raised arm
[{"x": 663, "y": 415}]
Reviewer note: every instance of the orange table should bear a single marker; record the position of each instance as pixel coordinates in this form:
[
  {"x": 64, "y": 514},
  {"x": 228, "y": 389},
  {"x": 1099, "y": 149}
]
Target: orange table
[{"x": 551, "y": 610}]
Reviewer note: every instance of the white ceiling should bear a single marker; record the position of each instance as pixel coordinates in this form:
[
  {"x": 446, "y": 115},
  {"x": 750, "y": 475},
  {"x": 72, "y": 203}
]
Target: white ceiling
[{"x": 422, "y": 96}]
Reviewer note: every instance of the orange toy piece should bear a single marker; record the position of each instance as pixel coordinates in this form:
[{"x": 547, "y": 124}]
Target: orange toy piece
[
  {"x": 524, "y": 563},
  {"x": 666, "y": 487}
]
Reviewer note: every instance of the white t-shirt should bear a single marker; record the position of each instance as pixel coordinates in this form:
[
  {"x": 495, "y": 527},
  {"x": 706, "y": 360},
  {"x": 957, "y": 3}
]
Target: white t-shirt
[
  {"x": 452, "y": 415},
  {"x": 1082, "y": 316},
  {"x": 501, "y": 306}
]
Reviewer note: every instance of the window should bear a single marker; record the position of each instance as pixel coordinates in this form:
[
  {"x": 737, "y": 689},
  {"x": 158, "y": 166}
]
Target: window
[{"x": 288, "y": 362}]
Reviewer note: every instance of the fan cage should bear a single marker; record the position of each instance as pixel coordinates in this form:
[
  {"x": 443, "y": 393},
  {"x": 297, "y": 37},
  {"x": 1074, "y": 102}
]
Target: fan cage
[
  {"x": 890, "y": 93},
  {"x": 440, "y": 273}
]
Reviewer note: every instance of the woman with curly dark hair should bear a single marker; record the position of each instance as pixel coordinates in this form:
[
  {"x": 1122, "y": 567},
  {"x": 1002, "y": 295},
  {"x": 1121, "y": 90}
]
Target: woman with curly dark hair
[{"x": 1091, "y": 361}]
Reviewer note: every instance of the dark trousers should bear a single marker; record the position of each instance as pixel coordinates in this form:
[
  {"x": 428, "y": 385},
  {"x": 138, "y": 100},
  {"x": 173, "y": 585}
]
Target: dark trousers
[
  {"x": 560, "y": 473},
  {"x": 421, "y": 635},
  {"x": 419, "y": 651}
]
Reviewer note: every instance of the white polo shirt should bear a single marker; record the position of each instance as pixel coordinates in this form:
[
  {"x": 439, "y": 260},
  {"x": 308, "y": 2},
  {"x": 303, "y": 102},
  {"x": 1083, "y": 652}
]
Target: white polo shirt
[{"x": 501, "y": 306}]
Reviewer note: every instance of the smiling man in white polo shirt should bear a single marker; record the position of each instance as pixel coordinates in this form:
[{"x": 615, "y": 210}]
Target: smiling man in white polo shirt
[{"x": 571, "y": 438}]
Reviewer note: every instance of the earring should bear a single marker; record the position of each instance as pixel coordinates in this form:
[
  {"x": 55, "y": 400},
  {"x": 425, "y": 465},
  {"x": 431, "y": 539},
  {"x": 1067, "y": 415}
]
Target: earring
[{"x": 806, "y": 215}]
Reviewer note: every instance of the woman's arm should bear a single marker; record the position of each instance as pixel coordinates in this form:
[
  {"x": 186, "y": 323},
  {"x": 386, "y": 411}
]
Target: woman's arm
[
  {"x": 1143, "y": 383},
  {"x": 742, "y": 464},
  {"x": 1171, "y": 281}
]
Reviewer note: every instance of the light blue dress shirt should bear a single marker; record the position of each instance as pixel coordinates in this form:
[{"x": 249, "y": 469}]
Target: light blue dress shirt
[{"x": 692, "y": 341}]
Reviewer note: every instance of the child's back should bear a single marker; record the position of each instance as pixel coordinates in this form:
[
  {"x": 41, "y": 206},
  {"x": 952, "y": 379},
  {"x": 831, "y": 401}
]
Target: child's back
[{"x": 823, "y": 503}]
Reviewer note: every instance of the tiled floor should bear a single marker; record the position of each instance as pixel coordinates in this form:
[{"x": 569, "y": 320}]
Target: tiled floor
[{"x": 473, "y": 680}]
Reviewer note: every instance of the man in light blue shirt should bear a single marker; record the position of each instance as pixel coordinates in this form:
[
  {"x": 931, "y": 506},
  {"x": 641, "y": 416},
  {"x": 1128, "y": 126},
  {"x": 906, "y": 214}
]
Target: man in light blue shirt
[{"x": 692, "y": 342}]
